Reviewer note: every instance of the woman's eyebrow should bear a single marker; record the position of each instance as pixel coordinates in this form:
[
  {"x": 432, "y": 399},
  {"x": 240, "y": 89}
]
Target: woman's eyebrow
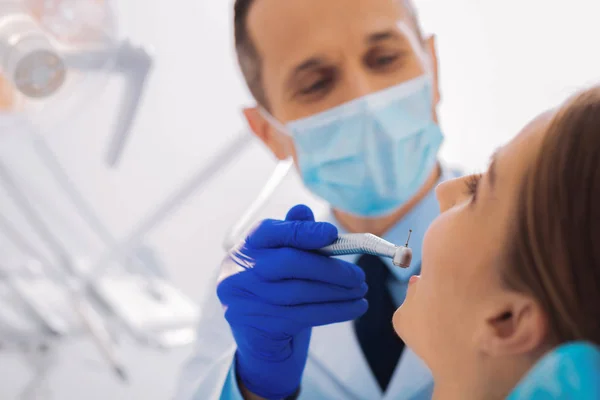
[{"x": 492, "y": 169}]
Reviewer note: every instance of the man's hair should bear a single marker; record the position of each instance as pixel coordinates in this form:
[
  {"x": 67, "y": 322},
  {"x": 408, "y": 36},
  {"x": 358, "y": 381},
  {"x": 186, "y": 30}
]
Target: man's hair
[{"x": 247, "y": 53}]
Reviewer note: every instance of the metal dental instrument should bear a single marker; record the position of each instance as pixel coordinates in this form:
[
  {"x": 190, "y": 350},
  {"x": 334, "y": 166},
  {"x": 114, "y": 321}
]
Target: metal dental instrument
[
  {"x": 366, "y": 243},
  {"x": 135, "y": 65}
]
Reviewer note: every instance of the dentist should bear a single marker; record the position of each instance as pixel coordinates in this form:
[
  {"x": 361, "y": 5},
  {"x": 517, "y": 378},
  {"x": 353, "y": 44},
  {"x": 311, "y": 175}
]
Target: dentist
[{"x": 349, "y": 90}]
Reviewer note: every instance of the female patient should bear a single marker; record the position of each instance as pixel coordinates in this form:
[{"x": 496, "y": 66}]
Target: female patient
[{"x": 511, "y": 268}]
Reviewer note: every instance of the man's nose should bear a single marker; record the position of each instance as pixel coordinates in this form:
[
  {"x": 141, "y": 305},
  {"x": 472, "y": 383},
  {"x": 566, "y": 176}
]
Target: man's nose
[
  {"x": 358, "y": 82},
  {"x": 450, "y": 193}
]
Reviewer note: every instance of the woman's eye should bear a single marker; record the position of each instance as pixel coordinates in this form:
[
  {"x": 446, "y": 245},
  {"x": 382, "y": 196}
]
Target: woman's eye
[{"x": 472, "y": 183}]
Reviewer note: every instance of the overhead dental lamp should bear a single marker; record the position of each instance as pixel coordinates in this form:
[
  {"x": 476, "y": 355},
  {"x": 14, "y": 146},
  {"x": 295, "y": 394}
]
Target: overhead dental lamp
[{"x": 56, "y": 56}]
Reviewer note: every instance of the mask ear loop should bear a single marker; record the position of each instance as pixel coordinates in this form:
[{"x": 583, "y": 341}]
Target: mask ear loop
[
  {"x": 279, "y": 127},
  {"x": 417, "y": 47}
]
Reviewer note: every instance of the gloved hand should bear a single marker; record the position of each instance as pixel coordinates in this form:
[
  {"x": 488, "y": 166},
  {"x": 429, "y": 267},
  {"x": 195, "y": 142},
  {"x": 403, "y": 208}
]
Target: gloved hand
[{"x": 275, "y": 289}]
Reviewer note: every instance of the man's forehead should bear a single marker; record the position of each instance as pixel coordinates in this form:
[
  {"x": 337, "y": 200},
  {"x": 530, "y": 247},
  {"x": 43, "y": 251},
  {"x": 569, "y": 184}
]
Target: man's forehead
[{"x": 280, "y": 29}]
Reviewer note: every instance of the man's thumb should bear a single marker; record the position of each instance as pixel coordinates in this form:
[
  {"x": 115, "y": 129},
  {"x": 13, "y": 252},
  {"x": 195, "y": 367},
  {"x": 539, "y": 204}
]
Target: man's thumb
[{"x": 300, "y": 213}]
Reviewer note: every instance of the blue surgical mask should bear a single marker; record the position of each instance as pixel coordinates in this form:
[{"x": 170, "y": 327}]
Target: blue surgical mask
[{"x": 369, "y": 156}]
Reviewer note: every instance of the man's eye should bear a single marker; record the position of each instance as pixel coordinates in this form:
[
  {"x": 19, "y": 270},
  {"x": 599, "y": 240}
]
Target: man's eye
[
  {"x": 382, "y": 60},
  {"x": 386, "y": 60},
  {"x": 321, "y": 84}
]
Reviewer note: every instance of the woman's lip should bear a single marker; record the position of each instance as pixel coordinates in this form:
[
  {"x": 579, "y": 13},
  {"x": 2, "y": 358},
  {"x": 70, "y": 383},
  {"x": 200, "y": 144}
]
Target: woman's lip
[{"x": 413, "y": 279}]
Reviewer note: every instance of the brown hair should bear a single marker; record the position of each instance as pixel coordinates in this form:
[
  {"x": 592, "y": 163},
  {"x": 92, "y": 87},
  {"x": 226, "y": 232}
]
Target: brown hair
[
  {"x": 556, "y": 251},
  {"x": 249, "y": 59}
]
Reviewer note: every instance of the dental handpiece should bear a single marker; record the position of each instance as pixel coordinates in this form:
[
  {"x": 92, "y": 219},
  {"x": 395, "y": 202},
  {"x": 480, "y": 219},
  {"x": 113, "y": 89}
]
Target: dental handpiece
[{"x": 366, "y": 243}]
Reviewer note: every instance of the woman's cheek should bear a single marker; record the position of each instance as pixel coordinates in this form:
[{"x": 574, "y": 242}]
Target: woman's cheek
[
  {"x": 434, "y": 243},
  {"x": 446, "y": 247}
]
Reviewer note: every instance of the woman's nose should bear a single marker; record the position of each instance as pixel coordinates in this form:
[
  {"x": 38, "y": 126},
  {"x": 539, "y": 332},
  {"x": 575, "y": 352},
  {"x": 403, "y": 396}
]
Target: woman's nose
[{"x": 450, "y": 193}]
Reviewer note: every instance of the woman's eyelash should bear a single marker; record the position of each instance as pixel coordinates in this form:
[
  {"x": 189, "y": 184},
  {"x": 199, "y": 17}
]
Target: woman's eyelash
[{"x": 472, "y": 182}]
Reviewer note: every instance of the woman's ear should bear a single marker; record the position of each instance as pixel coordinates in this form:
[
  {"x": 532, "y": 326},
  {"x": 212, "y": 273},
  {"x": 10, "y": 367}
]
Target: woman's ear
[
  {"x": 263, "y": 130},
  {"x": 518, "y": 325}
]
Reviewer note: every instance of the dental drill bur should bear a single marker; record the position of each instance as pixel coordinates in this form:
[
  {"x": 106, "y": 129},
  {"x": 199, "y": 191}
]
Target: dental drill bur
[{"x": 366, "y": 243}]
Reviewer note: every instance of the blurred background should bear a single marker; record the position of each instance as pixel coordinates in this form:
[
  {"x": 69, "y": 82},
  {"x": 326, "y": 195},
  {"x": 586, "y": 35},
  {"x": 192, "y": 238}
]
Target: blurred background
[{"x": 501, "y": 63}]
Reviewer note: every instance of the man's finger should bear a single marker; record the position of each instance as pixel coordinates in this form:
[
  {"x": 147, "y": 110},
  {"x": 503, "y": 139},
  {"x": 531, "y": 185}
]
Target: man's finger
[
  {"x": 305, "y": 235},
  {"x": 300, "y": 213},
  {"x": 286, "y": 263},
  {"x": 290, "y": 320},
  {"x": 287, "y": 292}
]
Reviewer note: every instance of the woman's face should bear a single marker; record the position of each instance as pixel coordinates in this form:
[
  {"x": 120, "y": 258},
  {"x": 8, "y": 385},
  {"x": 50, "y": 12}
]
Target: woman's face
[{"x": 454, "y": 309}]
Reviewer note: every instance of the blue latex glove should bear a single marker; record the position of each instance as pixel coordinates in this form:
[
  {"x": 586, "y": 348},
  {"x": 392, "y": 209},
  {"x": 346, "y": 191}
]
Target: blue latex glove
[
  {"x": 571, "y": 371},
  {"x": 275, "y": 289}
]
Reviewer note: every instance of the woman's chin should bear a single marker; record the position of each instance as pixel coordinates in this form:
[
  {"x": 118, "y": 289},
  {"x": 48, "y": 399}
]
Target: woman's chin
[{"x": 397, "y": 321}]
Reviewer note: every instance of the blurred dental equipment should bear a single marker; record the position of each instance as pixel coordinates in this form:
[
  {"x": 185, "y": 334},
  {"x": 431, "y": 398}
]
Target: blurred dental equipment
[
  {"x": 87, "y": 314},
  {"x": 49, "y": 49},
  {"x": 27, "y": 56},
  {"x": 366, "y": 243},
  {"x": 55, "y": 56},
  {"x": 134, "y": 64},
  {"x": 227, "y": 155},
  {"x": 124, "y": 287}
]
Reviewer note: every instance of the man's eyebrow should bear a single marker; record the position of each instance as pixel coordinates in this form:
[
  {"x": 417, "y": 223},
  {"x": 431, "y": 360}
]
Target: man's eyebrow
[
  {"x": 316, "y": 62},
  {"x": 383, "y": 35},
  {"x": 306, "y": 65}
]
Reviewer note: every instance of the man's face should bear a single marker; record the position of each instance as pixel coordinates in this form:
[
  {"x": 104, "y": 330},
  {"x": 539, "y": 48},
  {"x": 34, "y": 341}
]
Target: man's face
[{"x": 319, "y": 54}]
